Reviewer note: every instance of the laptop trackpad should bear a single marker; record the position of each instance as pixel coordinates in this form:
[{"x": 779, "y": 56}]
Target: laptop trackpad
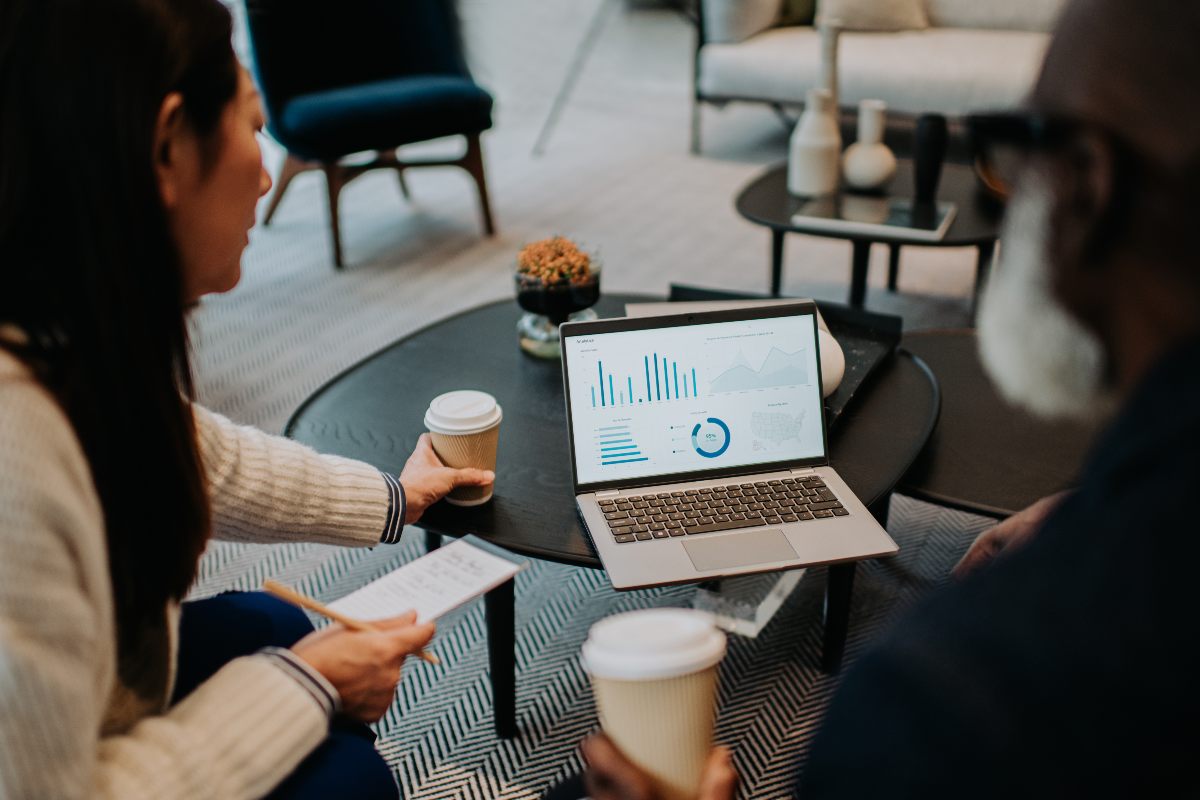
[{"x": 739, "y": 550}]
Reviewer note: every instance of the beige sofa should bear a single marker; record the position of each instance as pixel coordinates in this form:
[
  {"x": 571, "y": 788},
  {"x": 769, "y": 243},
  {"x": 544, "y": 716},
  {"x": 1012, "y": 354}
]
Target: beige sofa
[{"x": 975, "y": 54}]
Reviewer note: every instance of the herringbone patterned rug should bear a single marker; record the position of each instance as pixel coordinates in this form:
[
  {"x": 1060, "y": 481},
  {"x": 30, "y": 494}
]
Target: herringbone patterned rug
[{"x": 438, "y": 737}]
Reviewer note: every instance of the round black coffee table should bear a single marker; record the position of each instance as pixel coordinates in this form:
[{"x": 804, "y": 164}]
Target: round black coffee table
[
  {"x": 374, "y": 412},
  {"x": 766, "y": 201}
]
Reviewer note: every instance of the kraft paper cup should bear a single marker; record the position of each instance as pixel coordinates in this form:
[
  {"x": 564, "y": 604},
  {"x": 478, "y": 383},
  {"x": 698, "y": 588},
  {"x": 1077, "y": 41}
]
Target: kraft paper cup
[
  {"x": 464, "y": 427},
  {"x": 654, "y": 674}
]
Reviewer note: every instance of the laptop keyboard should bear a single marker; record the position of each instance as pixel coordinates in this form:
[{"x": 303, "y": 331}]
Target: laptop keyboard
[{"x": 647, "y": 516}]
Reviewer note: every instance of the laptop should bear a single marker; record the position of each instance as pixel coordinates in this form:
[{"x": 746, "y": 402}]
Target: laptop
[{"x": 699, "y": 449}]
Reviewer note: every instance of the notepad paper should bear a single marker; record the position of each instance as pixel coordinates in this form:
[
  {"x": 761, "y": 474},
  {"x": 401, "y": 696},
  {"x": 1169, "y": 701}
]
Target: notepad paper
[{"x": 432, "y": 584}]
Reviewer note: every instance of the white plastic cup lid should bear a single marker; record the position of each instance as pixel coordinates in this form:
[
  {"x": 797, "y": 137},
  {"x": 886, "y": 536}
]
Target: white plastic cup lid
[
  {"x": 652, "y": 644},
  {"x": 462, "y": 412}
]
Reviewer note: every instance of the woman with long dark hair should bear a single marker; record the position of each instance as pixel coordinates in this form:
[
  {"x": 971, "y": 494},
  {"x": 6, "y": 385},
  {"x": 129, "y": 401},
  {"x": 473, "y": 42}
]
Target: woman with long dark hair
[{"x": 129, "y": 174}]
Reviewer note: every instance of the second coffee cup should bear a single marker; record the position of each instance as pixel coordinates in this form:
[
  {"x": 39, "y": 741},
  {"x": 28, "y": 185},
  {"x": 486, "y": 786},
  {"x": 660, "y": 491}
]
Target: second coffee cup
[
  {"x": 465, "y": 428},
  {"x": 654, "y": 673}
]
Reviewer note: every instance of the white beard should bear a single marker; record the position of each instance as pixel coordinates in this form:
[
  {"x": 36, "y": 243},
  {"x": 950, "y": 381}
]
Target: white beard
[{"x": 1039, "y": 356}]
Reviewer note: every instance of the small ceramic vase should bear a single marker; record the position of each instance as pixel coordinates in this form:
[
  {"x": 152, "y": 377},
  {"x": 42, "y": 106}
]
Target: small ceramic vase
[
  {"x": 814, "y": 152},
  {"x": 829, "y": 30},
  {"x": 869, "y": 163}
]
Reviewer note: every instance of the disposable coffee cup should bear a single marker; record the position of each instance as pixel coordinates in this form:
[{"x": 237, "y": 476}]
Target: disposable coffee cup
[
  {"x": 465, "y": 429},
  {"x": 654, "y": 674}
]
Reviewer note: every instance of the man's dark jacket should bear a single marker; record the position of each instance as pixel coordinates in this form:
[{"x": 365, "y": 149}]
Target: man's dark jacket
[{"x": 1069, "y": 668}]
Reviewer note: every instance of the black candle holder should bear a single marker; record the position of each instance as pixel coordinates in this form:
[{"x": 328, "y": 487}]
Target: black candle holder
[{"x": 929, "y": 151}]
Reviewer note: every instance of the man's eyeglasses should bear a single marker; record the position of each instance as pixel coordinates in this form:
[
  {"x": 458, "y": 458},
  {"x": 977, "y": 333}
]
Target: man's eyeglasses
[{"x": 1004, "y": 141}]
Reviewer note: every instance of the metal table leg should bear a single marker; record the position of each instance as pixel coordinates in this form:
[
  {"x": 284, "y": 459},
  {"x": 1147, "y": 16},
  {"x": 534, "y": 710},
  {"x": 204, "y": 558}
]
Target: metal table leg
[
  {"x": 432, "y": 541},
  {"x": 776, "y": 261},
  {"x": 500, "y": 606},
  {"x": 838, "y": 591},
  {"x": 858, "y": 273},
  {"x": 893, "y": 266}
]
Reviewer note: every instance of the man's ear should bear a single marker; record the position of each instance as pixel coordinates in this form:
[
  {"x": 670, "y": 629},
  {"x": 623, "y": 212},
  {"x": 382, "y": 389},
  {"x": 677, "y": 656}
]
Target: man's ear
[
  {"x": 1082, "y": 179},
  {"x": 169, "y": 148}
]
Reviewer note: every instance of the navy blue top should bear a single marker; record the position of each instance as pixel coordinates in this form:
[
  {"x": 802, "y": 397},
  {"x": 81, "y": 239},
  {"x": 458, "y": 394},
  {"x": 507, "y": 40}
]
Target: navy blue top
[{"x": 1068, "y": 668}]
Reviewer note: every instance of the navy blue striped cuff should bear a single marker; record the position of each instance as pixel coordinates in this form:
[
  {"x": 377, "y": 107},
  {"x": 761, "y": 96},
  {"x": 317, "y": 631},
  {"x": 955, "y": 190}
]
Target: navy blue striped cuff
[
  {"x": 309, "y": 679},
  {"x": 397, "y": 508}
]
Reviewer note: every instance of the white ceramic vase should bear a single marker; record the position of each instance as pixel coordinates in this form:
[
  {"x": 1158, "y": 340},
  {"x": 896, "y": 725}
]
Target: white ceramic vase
[
  {"x": 830, "y": 30},
  {"x": 869, "y": 163},
  {"x": 814, "y": 152}
]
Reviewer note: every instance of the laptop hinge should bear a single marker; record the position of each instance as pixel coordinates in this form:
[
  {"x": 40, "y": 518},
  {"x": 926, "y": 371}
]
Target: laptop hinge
[
  {"x": 805, "y": 471},
  {"x": 609, "y": 493}
]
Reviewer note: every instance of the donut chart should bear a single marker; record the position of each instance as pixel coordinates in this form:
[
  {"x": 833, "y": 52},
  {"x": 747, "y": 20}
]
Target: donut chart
[{"x": 715, "y": 431}]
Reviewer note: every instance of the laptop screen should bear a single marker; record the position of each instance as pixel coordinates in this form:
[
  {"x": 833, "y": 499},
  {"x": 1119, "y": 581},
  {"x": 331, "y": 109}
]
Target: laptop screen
[{"x": 693, "y": 398}]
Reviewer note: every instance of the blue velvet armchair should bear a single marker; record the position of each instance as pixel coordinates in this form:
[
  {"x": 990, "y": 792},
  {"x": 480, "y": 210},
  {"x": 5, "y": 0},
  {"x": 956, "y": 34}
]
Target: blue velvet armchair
[{"x": 355, "y": 76}]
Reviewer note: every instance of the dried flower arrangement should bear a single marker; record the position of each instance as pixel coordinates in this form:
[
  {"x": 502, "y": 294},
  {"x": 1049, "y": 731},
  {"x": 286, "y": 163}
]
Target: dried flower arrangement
[{"x": 554, "y": 261}]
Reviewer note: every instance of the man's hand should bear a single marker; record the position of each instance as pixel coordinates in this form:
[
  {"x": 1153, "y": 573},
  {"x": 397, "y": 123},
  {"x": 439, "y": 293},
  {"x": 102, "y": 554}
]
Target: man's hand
[
  {"x": 364, "y": 666},
  {"x": 1011, "y": 533},
  {"x": 611, "y": 776},
  {"x": 426, "y": 479}
]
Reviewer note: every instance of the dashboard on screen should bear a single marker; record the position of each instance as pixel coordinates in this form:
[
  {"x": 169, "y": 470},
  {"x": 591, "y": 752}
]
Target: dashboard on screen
[{"x": 665, "y": 401}]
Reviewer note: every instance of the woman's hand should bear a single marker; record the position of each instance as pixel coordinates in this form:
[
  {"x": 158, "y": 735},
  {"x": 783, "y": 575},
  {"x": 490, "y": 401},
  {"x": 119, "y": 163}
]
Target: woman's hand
[
  {"x": 364, "y": 666},
  {"x": 1011, "y": 533},
  {"x": 611, "y": 776},
  {"x": 426, "y": 479}
]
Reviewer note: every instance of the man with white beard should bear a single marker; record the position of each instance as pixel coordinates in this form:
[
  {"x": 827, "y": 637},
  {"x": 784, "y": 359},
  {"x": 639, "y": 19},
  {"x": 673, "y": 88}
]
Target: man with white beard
[{"x": 1064, "y": 662}]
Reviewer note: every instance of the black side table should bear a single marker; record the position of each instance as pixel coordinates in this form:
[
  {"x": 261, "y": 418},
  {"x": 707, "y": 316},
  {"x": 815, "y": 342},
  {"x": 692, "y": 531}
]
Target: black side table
[
  {"x": 374, "y": 412},
  {"x": 766, "y": 201}
]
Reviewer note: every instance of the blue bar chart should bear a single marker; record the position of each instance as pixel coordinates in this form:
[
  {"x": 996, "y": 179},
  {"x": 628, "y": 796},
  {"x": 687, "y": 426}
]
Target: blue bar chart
[
  {"x": 616, "y": 446},
  {"x": 664, "y": 379}
]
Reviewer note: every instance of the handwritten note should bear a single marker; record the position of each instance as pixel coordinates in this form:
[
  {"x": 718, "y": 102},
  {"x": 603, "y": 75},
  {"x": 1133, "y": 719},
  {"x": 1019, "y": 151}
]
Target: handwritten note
[{"x": 432, "y": 584}]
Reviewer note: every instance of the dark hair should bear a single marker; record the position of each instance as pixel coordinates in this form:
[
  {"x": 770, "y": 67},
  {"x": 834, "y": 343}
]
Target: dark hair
[{"x": 88, "y": 268}]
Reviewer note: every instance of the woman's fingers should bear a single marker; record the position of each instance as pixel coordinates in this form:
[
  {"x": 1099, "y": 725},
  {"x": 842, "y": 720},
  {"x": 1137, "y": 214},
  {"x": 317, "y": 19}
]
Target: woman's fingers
[
  {"x": 403, "y": 635},
  {"x": 424, "y": 451},
  {"x": 424, "y": 454},
  {"x": 411, "y": 639},
  {"x": 399, "y": 621},
  {"x": 472, "y": 477}
]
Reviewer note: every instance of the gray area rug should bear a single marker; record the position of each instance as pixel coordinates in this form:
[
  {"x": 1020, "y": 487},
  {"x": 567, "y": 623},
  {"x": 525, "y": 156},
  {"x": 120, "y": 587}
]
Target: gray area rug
[{"x": 615, "y": 175}]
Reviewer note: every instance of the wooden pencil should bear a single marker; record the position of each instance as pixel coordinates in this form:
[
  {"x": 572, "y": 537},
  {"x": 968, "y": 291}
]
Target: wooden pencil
[{"x": 292, "y": 596}]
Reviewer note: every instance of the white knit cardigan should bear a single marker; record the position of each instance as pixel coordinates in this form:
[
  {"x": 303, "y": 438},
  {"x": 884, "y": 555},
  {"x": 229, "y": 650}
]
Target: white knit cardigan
[{"x": 68, "y": 729}]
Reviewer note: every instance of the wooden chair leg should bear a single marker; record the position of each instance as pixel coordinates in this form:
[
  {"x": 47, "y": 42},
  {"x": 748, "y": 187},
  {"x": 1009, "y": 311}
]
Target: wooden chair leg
[
  {"x": 292, "y": 167},
  {"x": 334, "y": 181},
  {"x": 393, "y": 159},
  {"x": 473, "y": 163}
]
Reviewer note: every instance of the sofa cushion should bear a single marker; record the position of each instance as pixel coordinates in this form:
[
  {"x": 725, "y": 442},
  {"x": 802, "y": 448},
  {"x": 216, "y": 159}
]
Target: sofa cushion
[
  {"x": 948, "y": 71},
  {"x": 874, "y": 15},
  {"x": 382, "y": 115},
  {"x": 1015, "y": 15},
  {"x": 729, "y": 21}
]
